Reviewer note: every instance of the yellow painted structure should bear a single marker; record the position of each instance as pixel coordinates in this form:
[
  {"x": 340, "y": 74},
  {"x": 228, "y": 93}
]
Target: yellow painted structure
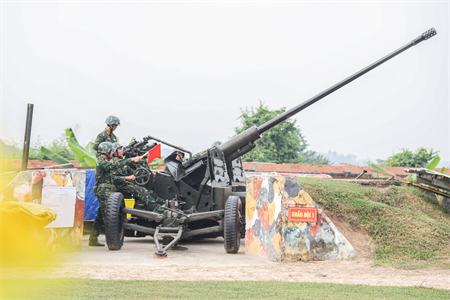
[{"x": 130, "y": 204}]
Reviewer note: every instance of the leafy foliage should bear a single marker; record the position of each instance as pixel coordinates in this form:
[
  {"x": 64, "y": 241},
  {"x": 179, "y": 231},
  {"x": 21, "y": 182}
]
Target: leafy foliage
[
  {"x": 7, "y": 170},
  {"x": 55, "y": 157},
  {"x": 284, "y": 143},
  {"x": 85, "y": 156},
  {"x": 369, "y": 162},
  {"x": 407, "y": 158},
  {"x": 433, "y": 164},
  {"x": 156, "y": 161},
  {"x": 61, "y": 150},
  {"x": 58, "y": 146},
  {"x": 380, "y": 169},
  {"x": 314, "y": 158}
]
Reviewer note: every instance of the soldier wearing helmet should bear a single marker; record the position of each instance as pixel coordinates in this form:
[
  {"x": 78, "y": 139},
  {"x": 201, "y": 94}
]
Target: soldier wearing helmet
[
  {"x": 116, "y": 146},
  {"x": 176, "y": 154},
  {"x": 107, "y": 135},
  {"x": 104, "y": 187},
  {"x": 123, "y": 181}
]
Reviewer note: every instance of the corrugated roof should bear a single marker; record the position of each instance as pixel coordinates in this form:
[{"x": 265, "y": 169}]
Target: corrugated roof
[{"x": 427, "y": 171}]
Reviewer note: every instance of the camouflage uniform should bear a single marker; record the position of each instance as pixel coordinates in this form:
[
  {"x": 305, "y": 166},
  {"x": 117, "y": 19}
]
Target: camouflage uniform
[
  {"x": 103, "y": 176},
  {"x": 104, "y": 136},
  {"x": 141, "y": 194}
]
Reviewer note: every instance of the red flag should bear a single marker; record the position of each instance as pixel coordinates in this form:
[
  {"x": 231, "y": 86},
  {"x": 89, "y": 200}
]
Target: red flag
[{"x": 155, "y": 152}]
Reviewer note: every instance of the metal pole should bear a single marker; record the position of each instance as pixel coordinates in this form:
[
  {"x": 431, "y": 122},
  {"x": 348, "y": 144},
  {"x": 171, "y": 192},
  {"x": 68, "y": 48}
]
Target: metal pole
[
  {"x": 26, "y": 140},
  {"x": 170, "y": 145}
]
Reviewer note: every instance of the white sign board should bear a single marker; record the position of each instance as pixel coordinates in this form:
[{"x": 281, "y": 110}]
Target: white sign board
[{"x": 61, "y": 200}]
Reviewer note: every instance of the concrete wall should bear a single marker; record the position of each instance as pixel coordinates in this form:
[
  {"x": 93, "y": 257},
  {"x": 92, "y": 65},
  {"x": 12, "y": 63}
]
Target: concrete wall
[{"x": 270, "y": 233}]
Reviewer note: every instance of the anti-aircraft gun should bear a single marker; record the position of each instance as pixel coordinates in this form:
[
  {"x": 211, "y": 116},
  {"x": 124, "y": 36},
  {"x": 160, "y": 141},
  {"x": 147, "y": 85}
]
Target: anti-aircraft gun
[
  {"x": 138, "y": 148},
  {"x": 205, "y": 195}
]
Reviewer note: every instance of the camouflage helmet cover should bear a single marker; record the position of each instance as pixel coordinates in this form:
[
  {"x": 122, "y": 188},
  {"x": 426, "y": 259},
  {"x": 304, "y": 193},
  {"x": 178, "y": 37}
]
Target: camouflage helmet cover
[
  {"x": 105, "y": 147},
  {"x": 116, "y": 146},
  {"x": 112, "y": 120}
]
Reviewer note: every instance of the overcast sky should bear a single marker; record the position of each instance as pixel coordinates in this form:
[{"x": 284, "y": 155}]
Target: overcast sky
[{"x": 181, "y": 71}]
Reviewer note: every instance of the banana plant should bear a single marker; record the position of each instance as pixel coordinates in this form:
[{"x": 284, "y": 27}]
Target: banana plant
[
  {"x": 380, "y": 169},
  {"x": 413, "y": 177},
  {"x": 85, "y": 156},
  {"x": 56, "y": 157}
]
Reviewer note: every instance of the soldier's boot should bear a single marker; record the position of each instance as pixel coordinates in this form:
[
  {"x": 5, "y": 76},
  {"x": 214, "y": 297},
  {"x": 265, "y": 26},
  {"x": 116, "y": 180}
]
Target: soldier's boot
[
  {"x": 94, "y": 242},
  {"x": 93, "y": 238}
]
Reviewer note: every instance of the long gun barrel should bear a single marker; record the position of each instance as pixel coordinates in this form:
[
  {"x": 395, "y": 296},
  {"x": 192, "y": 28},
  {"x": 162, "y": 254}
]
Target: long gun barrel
[
  {"x": 170, "y": 145},
  {"x": 245, "y": 141}
]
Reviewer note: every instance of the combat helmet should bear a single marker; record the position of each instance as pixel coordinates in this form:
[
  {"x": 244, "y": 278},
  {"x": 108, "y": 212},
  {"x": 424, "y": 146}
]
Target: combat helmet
[
  {"x": 116, "y": 146},
  {"x": 105, "y": 147},
  {"x": 112, "y": 120}
]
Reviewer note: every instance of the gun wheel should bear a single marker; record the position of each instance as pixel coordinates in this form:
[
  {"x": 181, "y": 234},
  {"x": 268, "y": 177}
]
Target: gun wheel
[
  {"x": 232, "y": 224},
  {"x": 114, "y": 219}
]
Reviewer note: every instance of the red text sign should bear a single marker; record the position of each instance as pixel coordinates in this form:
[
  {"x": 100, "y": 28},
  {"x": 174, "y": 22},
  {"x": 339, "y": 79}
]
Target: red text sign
[{"x": 302, "y": 214}]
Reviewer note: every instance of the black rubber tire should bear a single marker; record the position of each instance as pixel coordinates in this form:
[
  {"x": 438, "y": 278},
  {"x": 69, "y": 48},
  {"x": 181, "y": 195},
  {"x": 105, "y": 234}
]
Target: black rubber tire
[
  {"x": 115, "y": 217},
  {"x": 232, "y": 224}
]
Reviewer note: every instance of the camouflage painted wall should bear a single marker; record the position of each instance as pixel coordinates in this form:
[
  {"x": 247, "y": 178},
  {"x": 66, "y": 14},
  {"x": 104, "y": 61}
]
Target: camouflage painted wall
[{"x": 270, "y": 234}]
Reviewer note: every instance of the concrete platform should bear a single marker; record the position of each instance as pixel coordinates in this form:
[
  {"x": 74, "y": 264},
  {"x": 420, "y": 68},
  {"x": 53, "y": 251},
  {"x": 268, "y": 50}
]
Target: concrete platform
[{"x": 139, "y": 251}]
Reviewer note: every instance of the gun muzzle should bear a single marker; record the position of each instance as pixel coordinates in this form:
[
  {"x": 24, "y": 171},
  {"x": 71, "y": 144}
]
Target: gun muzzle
[{"x": 425, "y": 36}]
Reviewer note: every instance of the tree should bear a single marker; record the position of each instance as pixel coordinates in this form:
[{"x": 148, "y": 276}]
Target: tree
[
  {"x": 9, "y": 149},
  {"x": 58, "y": 146},
  {"x": 314, "y": 158},
  {"x": 407, "y": 158},
  {"x": 284, "y": 143}
]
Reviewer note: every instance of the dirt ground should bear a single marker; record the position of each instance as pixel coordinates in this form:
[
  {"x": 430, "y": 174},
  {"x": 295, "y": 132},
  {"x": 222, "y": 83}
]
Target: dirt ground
[
  {"x": 207, "y": 260},
  {"x": 359, "y": 271}
]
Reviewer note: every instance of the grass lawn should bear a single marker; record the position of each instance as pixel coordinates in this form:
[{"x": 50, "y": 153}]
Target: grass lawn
[{"x": 70, "y": 288}]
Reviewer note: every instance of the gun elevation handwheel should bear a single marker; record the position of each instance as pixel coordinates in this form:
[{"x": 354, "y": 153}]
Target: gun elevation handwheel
[{"x": 142, "y": 176}]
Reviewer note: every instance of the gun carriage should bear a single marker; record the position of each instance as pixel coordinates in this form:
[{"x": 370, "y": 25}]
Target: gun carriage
[{"x": 205, "y": 194}]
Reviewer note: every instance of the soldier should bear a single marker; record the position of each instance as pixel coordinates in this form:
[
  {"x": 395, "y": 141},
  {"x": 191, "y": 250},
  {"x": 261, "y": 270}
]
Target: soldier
[
  {"x": 178, "y": 155},
  {"x": 104, "y": 187},
  {"x": 121, "y": 173},
  {"x": 107, "y": 135}
]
